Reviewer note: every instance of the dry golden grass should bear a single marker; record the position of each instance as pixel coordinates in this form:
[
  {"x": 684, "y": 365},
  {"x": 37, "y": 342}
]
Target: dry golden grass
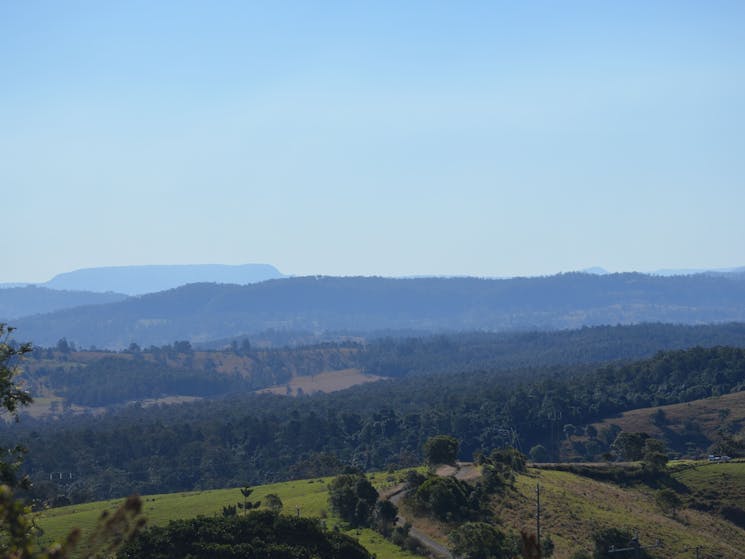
[
  {"x": 710, "y": 413},
  {"x": 329, "y": 381},
  {"x": 573, "y": 507}
]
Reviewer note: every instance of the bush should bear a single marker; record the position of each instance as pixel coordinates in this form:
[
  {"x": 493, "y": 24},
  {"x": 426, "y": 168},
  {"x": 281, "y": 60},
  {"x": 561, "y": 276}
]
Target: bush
[{"x": 258, "y": 535}]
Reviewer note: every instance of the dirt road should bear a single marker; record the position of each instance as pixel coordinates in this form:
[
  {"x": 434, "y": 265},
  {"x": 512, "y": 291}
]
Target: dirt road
[
  {"x": 465, "y": 471},
  {"x": 437, "y": 549}
]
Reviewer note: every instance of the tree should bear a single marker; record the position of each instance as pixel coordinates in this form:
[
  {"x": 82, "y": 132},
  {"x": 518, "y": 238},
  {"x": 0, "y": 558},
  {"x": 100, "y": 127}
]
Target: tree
[
  {"x": 385, "y": 515},
  {"x": 273, "y": 502},
  {"x": 17, "y": 531},
  {"x": 569, "y": 431},
  {"x": 441, "y": 449},
  {"x": 539, "y": 453},
  {"x": 478, "y": 540},
  {"x": 353, "y": 497},
  {"x": 248, "y": 505},
  {"x": 11, "y": 396},
  {"x": 259, "y": 535},
  {"x": 654, "y": 455},
  {"x": 447, "y": 498},
  {"x": 630, "y": 445},
  {"x": 182, "y": 346}
]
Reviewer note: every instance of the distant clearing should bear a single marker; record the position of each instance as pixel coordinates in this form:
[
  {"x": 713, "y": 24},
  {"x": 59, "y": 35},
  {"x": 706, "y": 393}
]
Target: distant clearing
[
  {"x": 709, "y": 413},
  {"x": 329, "y": 381}
]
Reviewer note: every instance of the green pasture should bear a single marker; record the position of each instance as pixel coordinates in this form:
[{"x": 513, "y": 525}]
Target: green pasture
[{"x": 309, "y": 497}]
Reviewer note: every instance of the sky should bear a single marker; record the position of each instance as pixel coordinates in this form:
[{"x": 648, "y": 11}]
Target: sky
[{"x": 372, "y": 138}]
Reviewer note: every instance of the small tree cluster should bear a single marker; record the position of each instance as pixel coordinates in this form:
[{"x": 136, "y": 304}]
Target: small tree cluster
[
  {"x": 441, "y": 449},
  {"x": 449, "y": 499},
  {"x": 353, "y": 498},
  {"x": 479, "y": 540},
  {"x": 247, "y": 505}
]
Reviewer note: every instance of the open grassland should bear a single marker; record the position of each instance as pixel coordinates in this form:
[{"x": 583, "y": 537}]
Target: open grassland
[
  {"x": 310, "y": 497},
  {"x": 719, "y": 488},
  {"x": 573, "y": 507}
]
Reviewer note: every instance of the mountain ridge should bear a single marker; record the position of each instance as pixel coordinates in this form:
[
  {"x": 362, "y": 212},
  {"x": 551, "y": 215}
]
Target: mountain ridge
[{"x": 203, "y": 311}]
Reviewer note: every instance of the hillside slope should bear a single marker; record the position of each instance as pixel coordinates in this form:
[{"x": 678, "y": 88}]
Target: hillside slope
[
  {"x": 16, "y": 302},
  {"x": 690, "y": 427},
  {"x": 573, "y": 507},
  {"x": 307, "y": 497}
]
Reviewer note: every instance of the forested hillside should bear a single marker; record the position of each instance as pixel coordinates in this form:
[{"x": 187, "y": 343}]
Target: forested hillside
[
  {"x": 64, "y": 377},
  {"x": 203, "y": 312},
  {"x": 261, "y": 438},
  {"x": 99, "y": 378}
]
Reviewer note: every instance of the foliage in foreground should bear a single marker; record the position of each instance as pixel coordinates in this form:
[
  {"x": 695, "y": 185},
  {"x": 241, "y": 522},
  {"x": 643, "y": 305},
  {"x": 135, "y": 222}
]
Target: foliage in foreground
[
  {"x": 479, "y": 540},
  {"x": 258, "y": 535},
  {"x": 17, "y": 530}
]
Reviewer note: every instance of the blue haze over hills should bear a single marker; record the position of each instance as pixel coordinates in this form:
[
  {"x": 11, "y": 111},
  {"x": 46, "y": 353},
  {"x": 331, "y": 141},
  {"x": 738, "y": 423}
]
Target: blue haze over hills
[
  {"x": 138, "y": 280},
  {"x": 201, "y": 312},
  {"x": 95, "y": 286}
]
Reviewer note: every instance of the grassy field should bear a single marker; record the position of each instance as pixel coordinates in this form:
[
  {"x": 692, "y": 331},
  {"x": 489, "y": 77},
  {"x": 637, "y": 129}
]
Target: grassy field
[
  {"x": 707, "y": 414},
  {"x": 328, "y": 381},
  {"x": 573, "y": 507},
  {"x": 309, "y": 496},
  {"x": 719, "y": 488}
]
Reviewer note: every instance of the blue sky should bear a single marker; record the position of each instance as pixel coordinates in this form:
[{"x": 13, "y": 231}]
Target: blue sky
[{"x": 387, "y": 138}]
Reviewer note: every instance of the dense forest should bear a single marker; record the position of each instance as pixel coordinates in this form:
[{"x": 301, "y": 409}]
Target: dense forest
[
  {"x": 360, "y": 305},
  {"x": 259, "y": 438},
  {"x": 101, "y": 378}
]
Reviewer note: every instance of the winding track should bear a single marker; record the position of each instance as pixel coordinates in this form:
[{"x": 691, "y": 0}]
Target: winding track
[{"x": 462, "y": 470}]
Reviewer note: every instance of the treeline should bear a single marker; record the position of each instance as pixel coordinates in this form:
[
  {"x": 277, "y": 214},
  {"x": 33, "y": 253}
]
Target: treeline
[
  {"x": 258, "y": 535},
  {"x": 391, "y": 356},
  {"x": 257, "y": 439},
  {"x": 97, "y": 378}
]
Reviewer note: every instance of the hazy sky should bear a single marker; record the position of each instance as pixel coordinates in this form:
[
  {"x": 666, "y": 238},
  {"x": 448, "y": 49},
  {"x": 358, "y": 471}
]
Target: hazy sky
[{"x": 390, "y": 138}]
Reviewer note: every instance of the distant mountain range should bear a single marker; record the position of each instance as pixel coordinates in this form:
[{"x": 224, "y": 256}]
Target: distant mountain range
[
  {"x": 138, "y": 280},
  {"x": 202, "y": 312},
  {"x": 29, "y": 300},
  {"x": 675, "y": 271}
]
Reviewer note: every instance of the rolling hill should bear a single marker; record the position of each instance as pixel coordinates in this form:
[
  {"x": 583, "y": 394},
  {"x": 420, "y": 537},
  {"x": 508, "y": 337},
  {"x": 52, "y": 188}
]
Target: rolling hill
[
  {"x": 573, "y": 508},
  {"x": 202, "y": 312},
  {"x": 16, "y": 302},
  {"x": 690, "y": 427}
]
